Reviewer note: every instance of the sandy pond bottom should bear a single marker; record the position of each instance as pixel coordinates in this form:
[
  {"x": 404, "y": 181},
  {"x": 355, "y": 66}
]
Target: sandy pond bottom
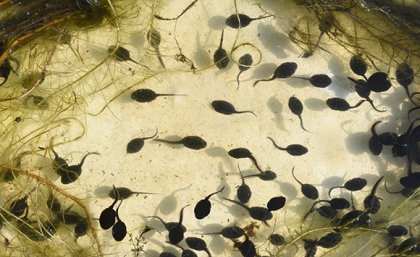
[{"x": 337, "y": 142}]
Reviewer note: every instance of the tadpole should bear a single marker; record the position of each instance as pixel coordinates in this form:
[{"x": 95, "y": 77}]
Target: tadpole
[
  {"x": 371, "y": 201},
  {"x": 244, "y": 63},
  {"x": 293, "y": 149},
  {"x": 203, "y": 207},
  {"x": 176, "y": 229},
  {"x": 296, "y": 107},
  {"x": 358, "y": 66},
  {"x": 356, "y": 218},
  {"x": 308, "y": 190},
  {"x": 276, "y": 239},
  {"x": 397, "y": 230},
  {"x": 241, "y": 20},
  {"x": 241, "y": 152},
  {"x": 145, "y": 95},
  {"x": 227, "y": 108},
  {"x": 266, "y": 175},
  {"x": 284, "y": 70},
  {"x": 81, "y": 228},
  {"x": 339, "y": 104},
  {"x": 19, "y": 206},
  {"x": 136, "y": 144},
  {"x": 330, "y": 240},
  {"x": 197, "y": 244},
  {"x": 120, "y": 53},
  {"x": 5, "y": 69},
  {"x": 375, "y": 145},
  {"x": 154, "y": 39},
  {"x": 119, "y": 230},
  {"x": 258, "y": 213},
  {"x": 192, "y": 142},
  {"x": 230, "y": 232},
  {"x": 53, "y": 204},
  {"x": 243, "y": 193},
  {"x": 318, "y": 80},
  {"x": 60, "y": 165},
  {"x": 107, "y": 217},
  {"x": 123, "y": 193},
  {"x": 220, "y": 56},
  {"x": 354, "y": 184},
  {"x": 378, "y": 82},
  {"x": 247, "y": 248},
  {"x": 310, "y": 247},
  {"x": 405, "y": 76},
  {"x": 73, "y": 172},
  {"x": 364, "y": 91},
  {"x": 276, "y": 203}
]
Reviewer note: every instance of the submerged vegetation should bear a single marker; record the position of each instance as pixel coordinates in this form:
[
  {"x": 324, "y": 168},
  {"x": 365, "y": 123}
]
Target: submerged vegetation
[{"x": 68, "y": 67}]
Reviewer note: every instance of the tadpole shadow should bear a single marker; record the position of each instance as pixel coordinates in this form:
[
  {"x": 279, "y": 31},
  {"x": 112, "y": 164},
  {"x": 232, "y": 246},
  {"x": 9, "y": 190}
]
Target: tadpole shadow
[
  {"x": 276, "y": 108},
  {"x": 169, "y": 203},
  {"x": 315, "y": 104},
  {"x": 264, "y": 70},
  {"x": 273, "y": 40},
  {"x": 217, "y": 22},
  {"x": 357, "y": 143}
]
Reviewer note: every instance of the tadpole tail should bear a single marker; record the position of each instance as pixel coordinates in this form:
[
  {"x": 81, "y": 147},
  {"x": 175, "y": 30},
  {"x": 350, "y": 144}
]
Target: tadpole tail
[
  {"x": 160, "y": 58},
  {"x": 238, "y": 203},
  {"x": 275, "y": 145},
  {"x": 390, "y": 192},
  {"x": 311, "y": 210},
  {"x": 166, "y": 141},
  {"x": 372, "y": 129},
  {"x": 358, "y": 104},
  {"x": 84, "y": 157},
  {"x": 376, "y": 186},
  {"x": 246, "y": 112},
  {"x": 221, "y": 39},
  {"x": 411, "y": 110},
  {"x": 171, "y": 95},
  {"x": 237, "y": 79},
  {"x": 331, "y": 189},
  {"x": 255, "y": 163},
  {"x": 373, "y": 106},
  {"x": 151, "y": 136},
  {"x": 210, "y": 195},
  {"x": 262, "y": 17},
  {"x": 301, "y": 123},
  {"x": 181, "y": 214},
  {"x": 258, "y": 81}
]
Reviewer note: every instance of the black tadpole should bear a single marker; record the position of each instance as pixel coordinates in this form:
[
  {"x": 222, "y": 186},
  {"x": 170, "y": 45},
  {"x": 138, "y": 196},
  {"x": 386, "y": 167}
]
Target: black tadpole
[
  {"x": 364, "y": 91},
  {"x": 227, "y": 108},
  {"x": 123, "y": 193},
  {"x": 136, "y": 144},
  {"x": 197, "y": 244},
  {"x": 397, "y": 230},
  {"x": 276, "y": 203},
  {"x": 192, "y": 142},
  {"x": 293, "y": 149},
  {"x": 285, "y": 70},
  {"x": 73, "y": 172},
  {"x": 241, "y": 20},
  {"x": 119, "y": 230},
  {"x": 308, "y": 190},
  {"x": 154, "y": 39},
  {"x": 220, "y": 56},
  {"x": 358, "y": 66},
  {"x": 247, "y": 248},
  {"x": 230, "y": 232},
  {"x": 405, "y": 76},
  {"x": 60, "y": 165},
  {"x": 354, "y": 184},
  {"x": 244, "y": 64},
  {"x": 243, "y": 193},
  {"x": 375, "y": 144},
  {"x": 120, "y": 53},
  {"x": 330, "y": 240},
  {"x": 241, "y": 152},
  {"x": 5, "y": 69},
  {"x": 266, "y": 175},
  {"x": 296, "y": 107},
  {"x": 339, "y": 104},
  {"x": 145, "y": 95},
  {"x": 257, "y": 213},
  {"x": 107, "y": 217},
  {"x": 318, "y": 80},
  {"x": 378, "y": 82},
  {"x": 371, "y": 201},
  {"x": 203, "y": 207}
]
